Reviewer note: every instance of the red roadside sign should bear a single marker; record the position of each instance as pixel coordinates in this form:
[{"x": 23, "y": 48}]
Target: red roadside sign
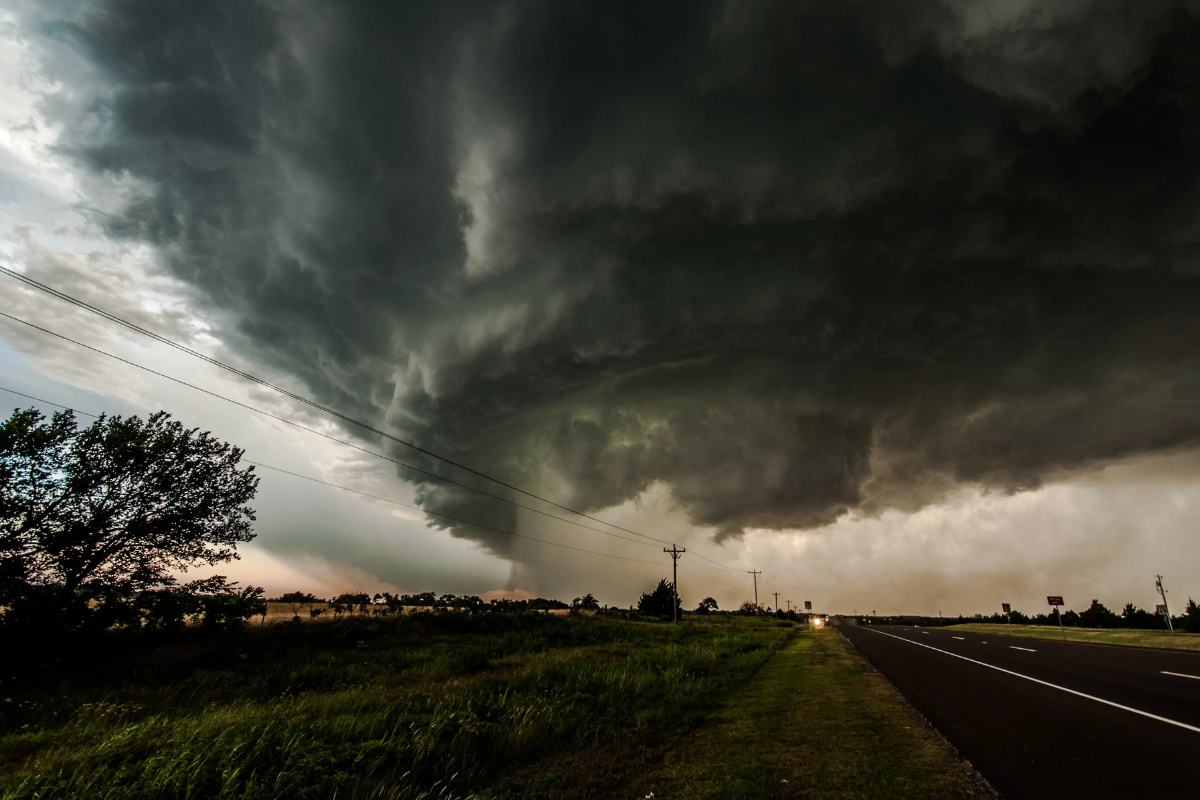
[{"x": 1055, "y": 601}]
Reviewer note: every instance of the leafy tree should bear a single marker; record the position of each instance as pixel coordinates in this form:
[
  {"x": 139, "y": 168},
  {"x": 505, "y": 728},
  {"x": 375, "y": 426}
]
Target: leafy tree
[
  {"x": 659, "y": 603},
  {"x": 299, "y": 600},
  {"x": 422, "y": 599},
  {"x": 1098, "y": 616},
  {"x": 392, "y": 604},
  {"x": 707, "y": 606},
  {"x": 222, "y": 604},
  {"x": 748, "y": 608},
  {"x": 543, "y": 604},
  {"x": 467, "y": 602},
  {"x": 350, "y": 602},
  {"x": 1191, "y": 616},
  {"x": 87, "y": 515},
  {"x": 1134, "y": 617},
  {"x": 586, "y": 603}
]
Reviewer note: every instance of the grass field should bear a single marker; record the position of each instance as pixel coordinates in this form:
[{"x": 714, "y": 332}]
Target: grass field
[
  {"x": 490, "y": 706},
  {"x": 1135, "y": 638}
]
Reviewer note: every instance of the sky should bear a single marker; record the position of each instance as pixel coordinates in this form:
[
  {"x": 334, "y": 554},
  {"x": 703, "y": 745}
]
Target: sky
[{"x": 895, "y": 303}]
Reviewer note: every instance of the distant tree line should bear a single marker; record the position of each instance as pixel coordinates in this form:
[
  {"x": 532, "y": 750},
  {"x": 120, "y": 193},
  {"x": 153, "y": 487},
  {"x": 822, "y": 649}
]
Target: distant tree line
[
  {"x": 1097, "y": 615},
  {"x": 351, "y": 604},
  {"x": 96, "y": 522}
]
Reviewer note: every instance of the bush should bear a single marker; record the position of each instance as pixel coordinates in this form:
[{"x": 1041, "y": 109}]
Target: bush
[{"x": 661, "y": 602}]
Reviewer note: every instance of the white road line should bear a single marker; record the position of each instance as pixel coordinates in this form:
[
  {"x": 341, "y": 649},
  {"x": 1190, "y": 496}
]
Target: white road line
[
  {"x": 925, "y": 632},
  {"x": 1181, "y": 675},
  {"x": 1051, "y": 685},
  {"x": 961, "y": 639},
  {"x": 1026, "y": 649}
]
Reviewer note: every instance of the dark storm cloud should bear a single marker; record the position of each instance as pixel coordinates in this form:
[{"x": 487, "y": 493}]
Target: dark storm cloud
[{"x": 787, "y": 258}]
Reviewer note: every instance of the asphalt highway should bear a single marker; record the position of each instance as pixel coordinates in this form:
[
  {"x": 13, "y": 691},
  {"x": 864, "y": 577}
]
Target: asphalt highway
[{"x": 1046, "y": 719}]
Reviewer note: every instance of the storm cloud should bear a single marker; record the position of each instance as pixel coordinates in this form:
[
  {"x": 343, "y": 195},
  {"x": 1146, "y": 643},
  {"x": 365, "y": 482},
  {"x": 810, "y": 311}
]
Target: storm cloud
[{"x": 786, "y": 260}]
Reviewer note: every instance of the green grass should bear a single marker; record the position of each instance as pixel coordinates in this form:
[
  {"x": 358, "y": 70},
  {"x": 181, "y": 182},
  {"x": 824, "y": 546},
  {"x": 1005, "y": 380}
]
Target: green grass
[
  {"x": 453, "y": 706},
  {"x": 815, "y": 722},
  {"x": 1135, "y": 638},
  {"x": 433, "y": 706}
]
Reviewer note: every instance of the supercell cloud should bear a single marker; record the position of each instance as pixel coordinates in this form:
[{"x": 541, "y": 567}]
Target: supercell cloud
[{"x": 780, "y": 260}]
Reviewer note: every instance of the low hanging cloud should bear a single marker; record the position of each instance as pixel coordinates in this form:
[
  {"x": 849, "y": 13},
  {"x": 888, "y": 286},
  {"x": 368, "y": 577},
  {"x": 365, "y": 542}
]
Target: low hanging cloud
[{"x": 787, "y": 260}]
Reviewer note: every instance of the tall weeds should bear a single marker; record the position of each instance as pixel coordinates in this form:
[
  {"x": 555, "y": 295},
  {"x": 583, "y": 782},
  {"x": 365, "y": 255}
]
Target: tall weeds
[{"x": 393, "y": 709}]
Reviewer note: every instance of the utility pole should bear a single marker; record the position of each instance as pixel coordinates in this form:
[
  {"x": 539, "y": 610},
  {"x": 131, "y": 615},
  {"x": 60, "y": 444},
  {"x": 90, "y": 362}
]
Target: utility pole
[
  {"x": 1166, "y": 611},
  {"x": 675, "y": 553},
  {"x": 776, "y": 600},
  {"x": 755, "y": 573},
  {"x": 789, "y": 602}
]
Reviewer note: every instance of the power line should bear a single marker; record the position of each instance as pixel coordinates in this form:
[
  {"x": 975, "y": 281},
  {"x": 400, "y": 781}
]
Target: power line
[
  {"x": 377, "y": 497},
  {"x": 299, "y": 426},
  {"x": 901, "y": 590},
  {"x": 300, "y": 398},
  {"x": 47, "y": 402},
  {"x": 446, "y": 516}
]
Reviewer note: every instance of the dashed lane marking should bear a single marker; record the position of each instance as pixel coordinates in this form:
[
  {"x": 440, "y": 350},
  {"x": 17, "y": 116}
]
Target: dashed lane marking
[
  {"x": 961, "y": 639},
  {"x": 1026, "y": 649},
  {"x": 1176, "y": 723},
  {"x": 1181, "y": 675}
]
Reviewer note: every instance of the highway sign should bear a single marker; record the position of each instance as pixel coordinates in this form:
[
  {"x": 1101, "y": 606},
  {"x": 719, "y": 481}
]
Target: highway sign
[
  {"x": 1007, "y": 608},
  {"x": 808, "y": 605},
  {"x": 1161, "y": 610},
  {"x": 1055, "y": 601}
]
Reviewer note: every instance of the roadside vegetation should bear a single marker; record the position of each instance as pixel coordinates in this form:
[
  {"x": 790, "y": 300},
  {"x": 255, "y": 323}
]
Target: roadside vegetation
[
  {"x": 456, "y": 705},
  {"x": 817, "y": 721},
  {"x": 1095, "y": 616},
  {"x": 128, "y": 683},
  {"x": 428, "y": 704},
  {"x": 96, "y": 522},
  {"x": 1135, "y": 638}
]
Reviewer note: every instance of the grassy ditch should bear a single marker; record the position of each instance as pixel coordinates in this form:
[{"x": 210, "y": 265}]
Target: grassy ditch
[
  {"x": 429, "y": 705},
  {"x": 1134, "y": 638},
  {"x": 487, "y": 707},
  {"x": 816, "y": 721}
]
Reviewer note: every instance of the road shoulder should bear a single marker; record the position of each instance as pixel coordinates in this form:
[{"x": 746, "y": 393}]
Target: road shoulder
[{"x": 817, "y": 721}]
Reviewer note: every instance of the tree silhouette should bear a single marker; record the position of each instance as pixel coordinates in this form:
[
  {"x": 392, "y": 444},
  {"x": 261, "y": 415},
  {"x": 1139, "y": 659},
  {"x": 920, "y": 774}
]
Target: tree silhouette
[
  {"x": 1098, "y": 616},
  {"x": 111, "y": 509},
  {"x": 659, "y": 603},
  {"x": 586, "y": 603},
  {"x": 707, "y": 606},
  {"x": 299, "y": 600}
]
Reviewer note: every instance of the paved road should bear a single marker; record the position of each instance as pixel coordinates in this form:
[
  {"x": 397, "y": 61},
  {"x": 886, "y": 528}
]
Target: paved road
[{"x": 1032, "y": 739}]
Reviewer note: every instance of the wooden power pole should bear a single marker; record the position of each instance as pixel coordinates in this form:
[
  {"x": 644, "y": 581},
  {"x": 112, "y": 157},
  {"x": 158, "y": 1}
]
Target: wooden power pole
[
  {"x": 755, "y": 573},
  {"x": 1166, "y": 610},
  {"x": 675, "y": 552},
  {"x": 776, "y": 600}
]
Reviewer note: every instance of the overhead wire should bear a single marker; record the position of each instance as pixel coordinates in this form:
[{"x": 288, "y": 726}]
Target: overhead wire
[
  {"x": 300, "y": 398},
  {"x": 47, "y": 402},
  {"x": 905, "y": 590},
  {"x": 892, "y": 590},
  {"x": 377, "y": 497},
  {"x": 448, "y": 516},
  {"x": 346, "y": 418},
  {"x": 331, "y": 438}
]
